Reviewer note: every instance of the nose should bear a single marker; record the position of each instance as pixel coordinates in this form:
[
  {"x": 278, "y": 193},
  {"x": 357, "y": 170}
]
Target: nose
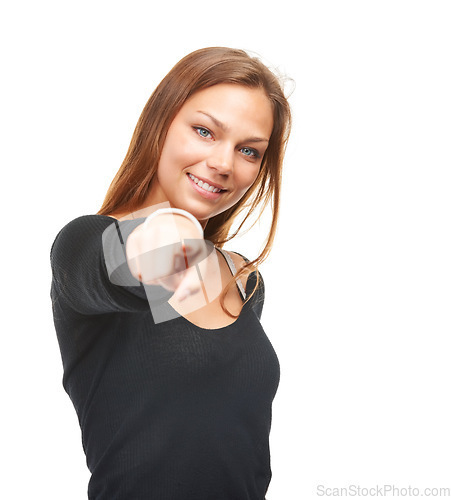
[{"x": 221, "y": 159}]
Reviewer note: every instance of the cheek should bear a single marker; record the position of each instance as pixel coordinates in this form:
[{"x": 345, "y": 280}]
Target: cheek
[
  {"x": 174, "y": 158},
  {"x": 246, "y": 176},
  {"x": 179, "y": 153}
]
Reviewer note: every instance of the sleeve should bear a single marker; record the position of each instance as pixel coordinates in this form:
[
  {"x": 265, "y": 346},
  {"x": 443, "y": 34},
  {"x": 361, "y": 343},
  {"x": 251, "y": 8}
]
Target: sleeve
[{"x": 89, "y": 268}]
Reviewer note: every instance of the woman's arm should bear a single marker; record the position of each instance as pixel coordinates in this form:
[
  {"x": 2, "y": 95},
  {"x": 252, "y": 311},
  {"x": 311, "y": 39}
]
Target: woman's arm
[
  {"x": 80, "y": 277},
  {"x": 99, "y": 263}
]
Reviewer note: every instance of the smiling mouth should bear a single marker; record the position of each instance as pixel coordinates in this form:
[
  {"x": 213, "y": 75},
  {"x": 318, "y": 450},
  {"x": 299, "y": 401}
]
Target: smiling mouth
[{"x": 204, "y": 185}]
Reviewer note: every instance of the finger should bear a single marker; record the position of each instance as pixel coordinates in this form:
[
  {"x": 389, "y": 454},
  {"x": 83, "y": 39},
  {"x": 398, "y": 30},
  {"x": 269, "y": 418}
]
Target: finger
[
  {"x": 195, "y": 250},
  {"x": 156, "y": 263},
  {"x": 189, "y": 285},
  {"x": 171, "y": 283}
]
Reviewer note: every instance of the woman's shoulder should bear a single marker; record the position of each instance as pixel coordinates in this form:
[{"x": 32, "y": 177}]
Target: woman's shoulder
[
  {"x": 252, "y": 281},
  {"x": 251, "y": 275},
  {"x": 79, "y": 230},
  {"x": 90, "y": 219},
  {"x": 240, "y": 261},
  {"x": 87, "y": 221}
]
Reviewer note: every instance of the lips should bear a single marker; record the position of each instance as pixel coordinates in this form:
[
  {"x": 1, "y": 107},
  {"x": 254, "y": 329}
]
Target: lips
[
  {"x": 206, "y": 184},
  {"x": 212, "y": 193}
]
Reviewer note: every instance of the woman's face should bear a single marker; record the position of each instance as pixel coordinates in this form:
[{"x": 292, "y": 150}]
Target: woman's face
[{"x": 213, "y": 150}]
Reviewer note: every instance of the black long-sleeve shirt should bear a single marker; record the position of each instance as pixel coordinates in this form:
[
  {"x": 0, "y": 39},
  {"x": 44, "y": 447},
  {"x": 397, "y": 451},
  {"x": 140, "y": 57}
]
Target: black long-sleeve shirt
[{"x": 168, "y": 410}]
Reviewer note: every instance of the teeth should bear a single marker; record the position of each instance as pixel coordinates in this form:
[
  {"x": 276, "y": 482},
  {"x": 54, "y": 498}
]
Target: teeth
[{"x": 204, "y": 185}]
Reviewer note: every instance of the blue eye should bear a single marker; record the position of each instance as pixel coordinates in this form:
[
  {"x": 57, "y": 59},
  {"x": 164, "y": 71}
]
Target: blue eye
[
  {"x": 250, "y": 152},
  {"x": 203, "y": 132}
]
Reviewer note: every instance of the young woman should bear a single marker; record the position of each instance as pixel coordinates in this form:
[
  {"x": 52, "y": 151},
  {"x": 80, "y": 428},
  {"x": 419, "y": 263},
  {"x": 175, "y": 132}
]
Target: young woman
[{"x": 164, "y": 356}]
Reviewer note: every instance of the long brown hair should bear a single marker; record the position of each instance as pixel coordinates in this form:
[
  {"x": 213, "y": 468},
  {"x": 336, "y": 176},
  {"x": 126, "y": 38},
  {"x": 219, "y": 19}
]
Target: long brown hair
[{"x": 196, "y": 71}]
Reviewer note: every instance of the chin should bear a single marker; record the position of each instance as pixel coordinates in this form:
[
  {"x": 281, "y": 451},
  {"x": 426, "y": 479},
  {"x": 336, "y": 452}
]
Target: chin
[
  {"x": 200, "y": 211},
  {"x": 203, "y": 216}
]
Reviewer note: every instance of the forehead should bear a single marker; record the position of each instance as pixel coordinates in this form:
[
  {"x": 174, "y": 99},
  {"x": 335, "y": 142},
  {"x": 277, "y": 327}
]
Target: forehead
[{"x": 236, "y": 106}]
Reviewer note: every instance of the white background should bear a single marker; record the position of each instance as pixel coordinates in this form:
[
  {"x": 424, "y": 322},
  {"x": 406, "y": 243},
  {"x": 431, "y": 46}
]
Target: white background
[{"x": 358, "y": 284}]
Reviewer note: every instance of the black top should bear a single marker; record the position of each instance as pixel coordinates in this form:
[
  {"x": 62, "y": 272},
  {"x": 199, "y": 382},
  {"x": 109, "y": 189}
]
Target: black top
[{"x": 168, "y": 410}]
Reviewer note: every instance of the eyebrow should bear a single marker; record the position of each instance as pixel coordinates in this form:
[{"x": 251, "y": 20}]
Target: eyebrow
[{"x": 225, "y": 128}]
